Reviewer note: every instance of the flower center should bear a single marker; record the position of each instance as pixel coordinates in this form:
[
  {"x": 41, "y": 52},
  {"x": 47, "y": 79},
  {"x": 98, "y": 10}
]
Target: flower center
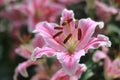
[{"x": 67, "y": 37}]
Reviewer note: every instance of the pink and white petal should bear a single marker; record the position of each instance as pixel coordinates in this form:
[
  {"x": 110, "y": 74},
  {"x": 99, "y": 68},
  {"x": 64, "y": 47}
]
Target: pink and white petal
[
  {"x": 54, "y": 44},
  {"x": 116, "y": 63},
  {"x": 87, "y": 27},
  {"x": 115, "y": 66},
  {"x": 23, "y": 52},
  {"x": 39, "y": 3},
  {"x": 105, "y": 49},
  {"x": 39, "y": 52},
  {"x": 36, "y": 5},
  {"x": 31, "y": 23},
  {"x": 24, "y": 9},
  {"x": 98, "y": 55},
  {"x": 38, "y": 41},
  {"x": 100, "y": 40},
  {"x": 54, "y": 11},
  {"x": 60, "y": 75},
  {"x": 107, "y": 65},
  {"x": 66, "y": 14},
  {"x": 81, "y": 68},
  {"x": 45, "y": 29},
  {"x": 70, "y": 62},
  {"x": 21, "y": 68}
]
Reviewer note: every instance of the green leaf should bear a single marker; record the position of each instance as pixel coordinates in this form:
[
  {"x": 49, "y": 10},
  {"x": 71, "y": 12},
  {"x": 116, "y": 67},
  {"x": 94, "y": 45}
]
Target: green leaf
[{"x": 114, "y": 28}]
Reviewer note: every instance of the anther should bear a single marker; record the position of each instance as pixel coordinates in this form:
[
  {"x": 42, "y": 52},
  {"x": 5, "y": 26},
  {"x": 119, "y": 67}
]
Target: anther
[
  {"x": 57, "y": 34},
  {"x": 64, "y": 23},
  {"x": 67, "y": 21},
  {"x": 79, "y": 33},
  {"x": 67, "y": 38},
  {"x": 58, "y": 28}
]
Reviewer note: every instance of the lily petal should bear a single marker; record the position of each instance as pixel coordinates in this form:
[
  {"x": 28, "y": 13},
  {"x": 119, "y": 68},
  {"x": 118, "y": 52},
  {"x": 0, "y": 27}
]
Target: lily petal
[
  {"x": 39, "y": 52},
  {"x": 101, "y": 40},
  {"x": 98, "y": 55},
  {"x": 70, "y": 62},
  {"x": 61, "y": 74},
  {"x": 23, "y": 52},
  {"x": 115, "y": 66},
  {"x": 67, "y": 16},
  {"x": 21, "y": 68},
  {"x": 81, "y": 68},
  {"x": 38, "y": 41},
  {"x": 87, "y": 27},
  {"x": 46, "y": 30}
]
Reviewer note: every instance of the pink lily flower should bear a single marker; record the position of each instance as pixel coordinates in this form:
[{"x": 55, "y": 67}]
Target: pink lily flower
[
  {"x": 17, "y": 19},
  {"x": 25, "y": 50},
  {"x": 40, "y": 10},
  {"x": 98, "y": 55},
  {"x": 61, "y": 75},
  {"x": 106, "y": 10},
  {"x": 111, "y": 67},
  {"x": 14, "y": 14},
  {"x": 21, "y": 68},
  {"x": 69, "y": 41},
  {"x": 115, "y": 68}
]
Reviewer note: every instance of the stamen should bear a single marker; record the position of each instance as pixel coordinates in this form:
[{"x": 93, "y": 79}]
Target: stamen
[
  {"x": 28, "y": 38},
  {"x": 67, "y": 21},
  {"x": 57, "y": 34},
  {"x": 79, "y": 33},
  {"x": 67, "y": 38},
  {"x": 58, "y": 28},
  {"x": 64, "y": 23}
]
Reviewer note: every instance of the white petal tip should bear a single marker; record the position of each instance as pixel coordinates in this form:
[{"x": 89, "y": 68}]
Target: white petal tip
[
  {"x": 34, "y": 31},
  {"x": 101, "y": 24}
]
